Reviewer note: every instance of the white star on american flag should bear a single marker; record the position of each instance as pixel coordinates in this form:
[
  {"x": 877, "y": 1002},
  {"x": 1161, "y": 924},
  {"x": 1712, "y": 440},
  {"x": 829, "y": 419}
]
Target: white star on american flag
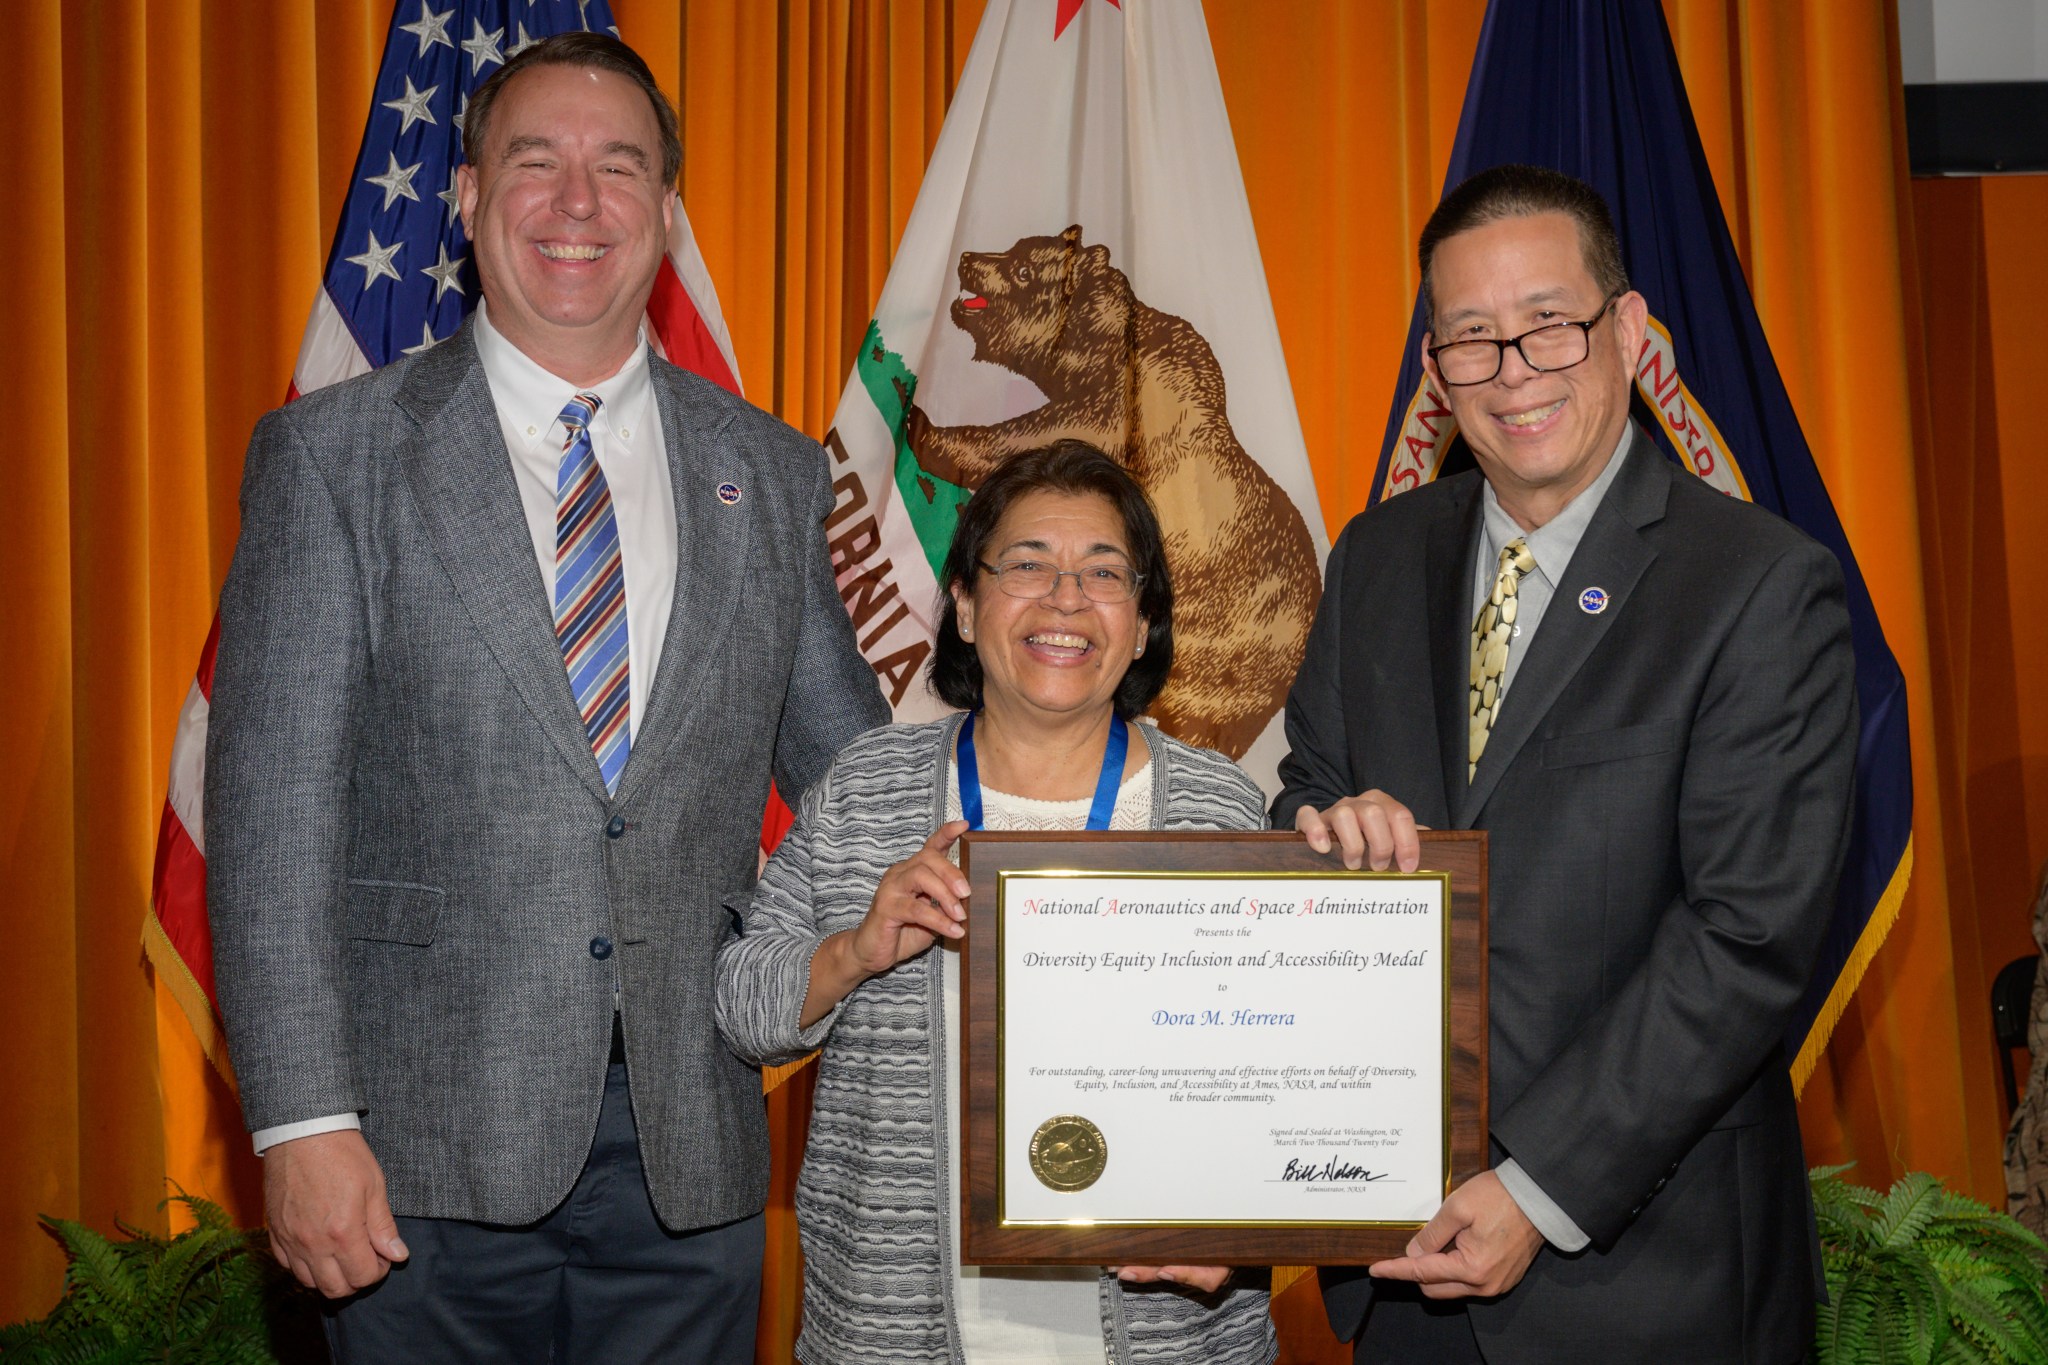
[
  {"x": 483, "y": 47},
  {"x": 376, "y": 260},
  {"x": 412, "y": 106},
  {"x": 396, "y": 181},
  {"x": 427, "y": 340},
  {"x": 526, "y": 40},
  {"x": 445, "y": 273},
  {"x": 452, "y": 197},
  {"x": 432, "y": 28}
]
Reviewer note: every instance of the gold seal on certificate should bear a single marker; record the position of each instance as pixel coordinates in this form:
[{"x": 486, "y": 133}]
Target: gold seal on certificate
[{"x": 1068, "y": 1153}]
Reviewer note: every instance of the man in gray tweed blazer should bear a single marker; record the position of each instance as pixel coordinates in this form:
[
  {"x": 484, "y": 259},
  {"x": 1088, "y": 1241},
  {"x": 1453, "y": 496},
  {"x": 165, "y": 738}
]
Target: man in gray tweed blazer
[{"x": 449, "y": 878}]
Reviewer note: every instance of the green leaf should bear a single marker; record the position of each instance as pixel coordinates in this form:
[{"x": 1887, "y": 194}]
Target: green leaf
[
  {"x": 2029, "y": 1313},
  {"x": 187, "y": 1258},
  {"x": 210, "y": 1294},
  {"x": 1922, "y": 1273},
  {"x": 205, "y": 1212},
  {"x": 1980, "y": 1316},
  {"x": 1846, "y": 1324},
  {"x": 1921, "y": 1302},
  {"x": 1908, "y": 1209},
  {"x": 1960, "y": 1350},
  {"x": 98, "y": 1273},
  {"x": 1828, "y": 1189}
]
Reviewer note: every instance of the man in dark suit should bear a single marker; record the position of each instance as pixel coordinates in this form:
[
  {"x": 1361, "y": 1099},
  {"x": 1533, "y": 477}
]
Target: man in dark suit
[
  {"x": 1642, "y": 690},
  {"x": 515, "y": 633}
]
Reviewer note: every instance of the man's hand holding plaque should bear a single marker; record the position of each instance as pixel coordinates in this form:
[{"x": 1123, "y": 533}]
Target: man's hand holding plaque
[{"x": 1371, "y": 829}]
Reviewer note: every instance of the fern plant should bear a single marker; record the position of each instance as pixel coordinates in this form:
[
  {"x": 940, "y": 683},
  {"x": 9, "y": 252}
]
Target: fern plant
[
  {"x": 1923, "y": 1276},
  {"x": 212, "y": 1294}
]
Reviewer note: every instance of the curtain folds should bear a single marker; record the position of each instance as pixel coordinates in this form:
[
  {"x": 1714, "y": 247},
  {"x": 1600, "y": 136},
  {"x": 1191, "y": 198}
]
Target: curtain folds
[{"x": 180, "y": 180}]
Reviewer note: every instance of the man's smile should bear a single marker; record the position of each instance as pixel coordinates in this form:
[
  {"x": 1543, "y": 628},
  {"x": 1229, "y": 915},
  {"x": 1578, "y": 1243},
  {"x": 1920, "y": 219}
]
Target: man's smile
[{"x": 1529, "y": 417}]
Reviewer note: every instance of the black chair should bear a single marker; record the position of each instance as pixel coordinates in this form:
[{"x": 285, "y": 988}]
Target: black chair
[{"x": 2012, "y": 997}]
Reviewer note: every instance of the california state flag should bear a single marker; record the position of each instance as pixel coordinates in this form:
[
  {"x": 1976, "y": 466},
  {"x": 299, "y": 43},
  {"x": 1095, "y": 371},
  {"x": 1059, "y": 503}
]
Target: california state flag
[{"x": 1081, "y": 263}]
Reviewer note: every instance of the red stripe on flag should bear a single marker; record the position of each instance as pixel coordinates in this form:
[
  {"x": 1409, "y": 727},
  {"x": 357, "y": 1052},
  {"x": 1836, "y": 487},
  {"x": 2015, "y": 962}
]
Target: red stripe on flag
[
  {"x": 180, "y": 898},
  {"x": 178, "y": 889},
  {"x": 206, "y": 656},
  {"x": 775, "y": 821},
  {"x": 688, "y": 343},
  {"x": 684, "y": 337}
]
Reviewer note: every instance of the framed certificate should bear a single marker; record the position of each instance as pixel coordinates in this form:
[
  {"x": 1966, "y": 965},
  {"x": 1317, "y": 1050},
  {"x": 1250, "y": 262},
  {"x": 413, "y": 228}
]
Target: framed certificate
[{"x": 1217, "y": 1049}]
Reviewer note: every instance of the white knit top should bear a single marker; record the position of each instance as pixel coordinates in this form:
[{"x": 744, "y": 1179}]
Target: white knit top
[{"x": 1024, "y": 1315}]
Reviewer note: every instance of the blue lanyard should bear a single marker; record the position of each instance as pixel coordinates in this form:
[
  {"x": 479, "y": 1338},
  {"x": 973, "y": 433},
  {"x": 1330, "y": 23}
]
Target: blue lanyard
[{"x": 1106, "y": 785}]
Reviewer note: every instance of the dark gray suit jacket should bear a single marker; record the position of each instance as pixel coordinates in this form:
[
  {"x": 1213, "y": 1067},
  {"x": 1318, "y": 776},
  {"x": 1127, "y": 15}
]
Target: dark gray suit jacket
[
  {"x": 410, "y": 850},
  {"x": 1666, "y": 796}
]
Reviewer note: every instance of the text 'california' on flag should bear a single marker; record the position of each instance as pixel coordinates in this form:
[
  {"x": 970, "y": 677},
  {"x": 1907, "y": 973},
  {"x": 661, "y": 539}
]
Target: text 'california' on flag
[
  {"x": 1080, "y": 263},
  {"x": 1592, "y": 88},
  {"x": 399, "y": 279}
]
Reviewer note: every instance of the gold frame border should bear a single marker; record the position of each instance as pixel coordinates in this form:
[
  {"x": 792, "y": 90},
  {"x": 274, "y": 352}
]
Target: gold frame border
[{"x": 1003, "y": 879}]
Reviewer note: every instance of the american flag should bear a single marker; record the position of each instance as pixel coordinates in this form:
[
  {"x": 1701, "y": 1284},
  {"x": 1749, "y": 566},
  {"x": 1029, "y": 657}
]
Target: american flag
[{"x": 399, "y": 279}]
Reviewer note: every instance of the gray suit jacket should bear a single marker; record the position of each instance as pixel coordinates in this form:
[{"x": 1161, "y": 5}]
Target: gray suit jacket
[
  {"x": 411, "y": 855},
  {"x": 1666, "y": 796}
]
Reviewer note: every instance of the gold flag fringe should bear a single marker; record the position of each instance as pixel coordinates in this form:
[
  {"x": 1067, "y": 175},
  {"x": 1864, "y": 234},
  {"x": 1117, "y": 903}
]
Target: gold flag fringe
[
  {"x": 1867, "y": 943},
  {"x": 185, "y": 989},
  {"x": 773, "y": 1076}
]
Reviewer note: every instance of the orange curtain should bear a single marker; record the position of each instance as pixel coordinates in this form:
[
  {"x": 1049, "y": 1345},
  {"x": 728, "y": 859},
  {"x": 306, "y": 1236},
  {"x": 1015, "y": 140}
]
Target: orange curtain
[
  {"x": 1980, "y": 477},
  {"x": 180, "y": 185}
]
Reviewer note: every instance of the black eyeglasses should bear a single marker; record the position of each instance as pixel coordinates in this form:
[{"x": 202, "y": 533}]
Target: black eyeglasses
[
  {"x": 1032, "y": 579},
  {"x": 1557, "y": 346}
]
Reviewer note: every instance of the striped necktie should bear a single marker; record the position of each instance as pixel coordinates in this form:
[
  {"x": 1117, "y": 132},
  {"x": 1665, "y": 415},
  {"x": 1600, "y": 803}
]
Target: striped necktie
[{"x": 590, "y": 594}]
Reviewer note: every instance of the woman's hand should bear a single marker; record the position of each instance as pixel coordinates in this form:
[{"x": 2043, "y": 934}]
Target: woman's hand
[
  {"x": 917, "y": 902},
  {"x": 1203, "y": 1279}
]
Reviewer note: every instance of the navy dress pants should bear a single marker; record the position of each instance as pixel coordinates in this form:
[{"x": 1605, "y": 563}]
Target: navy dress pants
[
  {"x": 1404, "y": 1328},
  {"x": 597, "y": 1282}
]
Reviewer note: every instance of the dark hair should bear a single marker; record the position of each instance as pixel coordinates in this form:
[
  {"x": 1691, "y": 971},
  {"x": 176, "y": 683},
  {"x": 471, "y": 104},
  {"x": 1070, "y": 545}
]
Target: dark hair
[
  {"x": 599, "y": 50},
  {"x": 1062, "y": 467},
  {"x": 1523, "y": 192}
]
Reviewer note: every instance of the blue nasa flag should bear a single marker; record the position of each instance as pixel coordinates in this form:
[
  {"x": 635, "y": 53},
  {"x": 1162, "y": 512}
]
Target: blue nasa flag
[{"x": 1592, "y": 88}]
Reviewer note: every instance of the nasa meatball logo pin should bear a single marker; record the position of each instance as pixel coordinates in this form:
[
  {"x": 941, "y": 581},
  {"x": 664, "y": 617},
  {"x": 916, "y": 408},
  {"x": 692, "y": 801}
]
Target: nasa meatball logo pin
[
  {"x": 728, "y": 493},
  {"x": 1593, "y": 601}
]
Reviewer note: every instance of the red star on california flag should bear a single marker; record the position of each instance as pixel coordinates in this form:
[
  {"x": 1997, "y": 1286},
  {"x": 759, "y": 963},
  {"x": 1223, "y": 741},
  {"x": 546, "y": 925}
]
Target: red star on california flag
[{"x": 1068, "y": 9}]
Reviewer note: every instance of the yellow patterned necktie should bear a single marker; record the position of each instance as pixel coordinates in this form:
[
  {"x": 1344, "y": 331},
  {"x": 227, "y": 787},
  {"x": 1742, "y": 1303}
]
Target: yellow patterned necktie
[{"x": 1490, "y": 636}]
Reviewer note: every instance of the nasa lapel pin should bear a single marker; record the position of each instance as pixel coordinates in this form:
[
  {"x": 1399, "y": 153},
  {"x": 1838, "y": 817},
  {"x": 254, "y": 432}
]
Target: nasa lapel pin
[
  {"x": 1593, "y": 601},
  {"x": 728, "y": 493}
]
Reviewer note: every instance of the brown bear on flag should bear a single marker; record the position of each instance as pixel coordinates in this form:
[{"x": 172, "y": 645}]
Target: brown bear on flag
[{"x": 1144, "y": 386}]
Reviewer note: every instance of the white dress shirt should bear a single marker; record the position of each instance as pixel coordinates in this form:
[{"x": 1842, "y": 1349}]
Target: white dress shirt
[
  {"x": 1551, "y": 545},
  {"x": 627, "y": 441},
  {"x": 626, "y": 438}
]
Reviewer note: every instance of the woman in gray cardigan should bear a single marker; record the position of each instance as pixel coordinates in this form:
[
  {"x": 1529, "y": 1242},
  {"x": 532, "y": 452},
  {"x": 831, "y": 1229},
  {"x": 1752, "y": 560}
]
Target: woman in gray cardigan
[{"x": 1055, "y": 629}]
